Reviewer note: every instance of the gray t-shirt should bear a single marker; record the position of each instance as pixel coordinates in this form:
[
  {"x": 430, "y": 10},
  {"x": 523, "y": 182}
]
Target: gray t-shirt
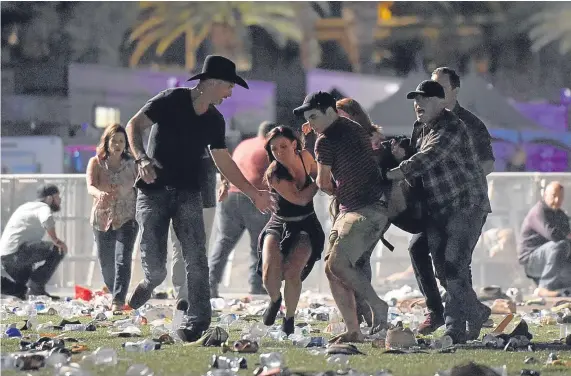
[{"x": 28, "y": 224}]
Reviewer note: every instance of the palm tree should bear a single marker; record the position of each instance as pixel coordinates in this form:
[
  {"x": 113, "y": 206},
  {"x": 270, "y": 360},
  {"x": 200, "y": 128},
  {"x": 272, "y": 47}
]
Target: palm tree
[
  {"x": 551, "y": 24},
  {"x": 196, "y": 21}
]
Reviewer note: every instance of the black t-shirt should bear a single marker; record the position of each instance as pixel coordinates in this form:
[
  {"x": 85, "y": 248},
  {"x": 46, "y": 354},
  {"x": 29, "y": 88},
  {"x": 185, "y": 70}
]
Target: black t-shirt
[{"x": 179, "y": 137}]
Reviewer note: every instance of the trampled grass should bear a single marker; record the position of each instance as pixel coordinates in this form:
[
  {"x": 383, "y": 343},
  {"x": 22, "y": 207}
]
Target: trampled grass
[{"x": 185, "y": 360}]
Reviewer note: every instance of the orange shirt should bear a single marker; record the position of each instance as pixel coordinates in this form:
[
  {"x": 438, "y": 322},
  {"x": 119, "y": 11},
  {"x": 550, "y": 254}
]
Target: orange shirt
[{"x": 252, "y": 159}]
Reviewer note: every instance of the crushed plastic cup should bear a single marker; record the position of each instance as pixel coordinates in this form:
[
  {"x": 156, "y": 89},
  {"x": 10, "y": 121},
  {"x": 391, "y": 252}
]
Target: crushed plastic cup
[
  {"x": 44, "y": 326},
  {"x": 335, "y": 328},
  {"x": 228, "y": 319},
  {"x": 276, "y": 334},
  {"x": 8, "y": 362},
  {"x": 300, "y": 340},
  {"x": 217, "y": 304},
  {"x": 139, "y": 370},
  {"x": 339, "y": 361},
  {"x": 564, "y": 330},
  {"x": 334, "y": 316},
  {"x": 158, "y": 331},
  {"x": 271, "y": 360},
  {"x": 442, "y": 343},
  {"x": 102, "y": 356},
  {"x": 254, "y": 332},
  {"x": 157, "y": 313},
  {"x": 57, "y": 360},
  {"x": 73, "y": 369},
  {"x": 226, "y": 362}
]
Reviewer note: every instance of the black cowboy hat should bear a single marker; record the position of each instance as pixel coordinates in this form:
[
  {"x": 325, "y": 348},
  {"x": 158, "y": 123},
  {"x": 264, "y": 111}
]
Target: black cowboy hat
[{"x": 220, "y": 68}]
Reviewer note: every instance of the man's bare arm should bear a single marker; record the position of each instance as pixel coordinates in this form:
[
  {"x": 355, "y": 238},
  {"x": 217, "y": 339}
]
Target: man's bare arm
[
  {"x": 324, "y": 179},
  {"x": 232, "y": 173},
  {"x": 135, "y": 128}
]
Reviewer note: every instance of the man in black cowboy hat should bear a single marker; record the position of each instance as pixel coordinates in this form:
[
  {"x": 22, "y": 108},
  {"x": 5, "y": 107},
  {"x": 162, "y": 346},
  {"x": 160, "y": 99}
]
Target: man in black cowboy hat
[{"x": 169, "y": 181}]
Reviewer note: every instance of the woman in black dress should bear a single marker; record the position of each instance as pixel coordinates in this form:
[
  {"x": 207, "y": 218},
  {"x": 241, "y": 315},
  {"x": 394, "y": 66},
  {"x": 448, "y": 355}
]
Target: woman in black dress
[{"x": 293, "y": 239}]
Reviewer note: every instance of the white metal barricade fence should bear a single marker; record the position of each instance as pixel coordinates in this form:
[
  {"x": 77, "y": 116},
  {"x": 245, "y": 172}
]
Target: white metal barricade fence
[{"x": 511, "y": 195}]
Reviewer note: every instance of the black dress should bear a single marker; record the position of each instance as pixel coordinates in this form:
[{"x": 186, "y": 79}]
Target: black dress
[{"x": 288, "y": 222}]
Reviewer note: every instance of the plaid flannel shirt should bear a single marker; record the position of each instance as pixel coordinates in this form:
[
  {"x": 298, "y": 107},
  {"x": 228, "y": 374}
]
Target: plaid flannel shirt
[{"x": 448, "y": 165}]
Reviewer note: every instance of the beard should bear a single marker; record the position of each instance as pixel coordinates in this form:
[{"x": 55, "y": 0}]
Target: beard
[{"x": 55, "y": 207}]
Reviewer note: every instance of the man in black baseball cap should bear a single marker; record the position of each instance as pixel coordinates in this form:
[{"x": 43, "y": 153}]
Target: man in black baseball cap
[
  {"x": 22, "y": 247},
  {"x": 428, "y": 100},
  {"x": 455, "y": 193},
  {"x": 319, "y": 109},
  {"x": 347, "y": 170}
]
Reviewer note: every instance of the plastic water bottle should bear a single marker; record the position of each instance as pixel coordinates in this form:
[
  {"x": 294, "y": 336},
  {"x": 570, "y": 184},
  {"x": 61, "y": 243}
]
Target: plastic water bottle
[
  {"x": 31, "y": 310},
  {"x": 177, "y": 319},
  {"x": 75, "y": 327},
  {"x": 104, "y": 356},
  {"x": 8, "y": 362},
  {"x": 271, "y": 360},
  {"x": 141, "y": 346}
]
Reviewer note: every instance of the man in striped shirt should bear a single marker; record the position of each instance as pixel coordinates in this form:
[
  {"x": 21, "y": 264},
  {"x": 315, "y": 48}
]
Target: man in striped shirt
[
  {"x": 456, "y": 196},
  {"x": 343, "y": 151}
]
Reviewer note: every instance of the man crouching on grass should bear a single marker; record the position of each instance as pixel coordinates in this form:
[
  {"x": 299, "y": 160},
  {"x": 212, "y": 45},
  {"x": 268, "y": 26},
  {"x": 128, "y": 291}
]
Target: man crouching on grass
[{"x": 343, "y": 151}]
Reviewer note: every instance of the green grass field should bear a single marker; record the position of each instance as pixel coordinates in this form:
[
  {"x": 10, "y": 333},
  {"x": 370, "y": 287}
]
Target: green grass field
[{"x": 184, "y": 360}]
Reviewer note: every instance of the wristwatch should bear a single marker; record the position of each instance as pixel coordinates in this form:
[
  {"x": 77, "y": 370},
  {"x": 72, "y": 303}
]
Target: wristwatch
[{"x": 142, "y": 158}]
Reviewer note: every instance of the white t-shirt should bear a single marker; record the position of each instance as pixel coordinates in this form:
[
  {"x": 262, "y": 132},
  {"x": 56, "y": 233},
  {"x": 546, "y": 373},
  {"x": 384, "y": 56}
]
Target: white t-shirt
[{"x": 27, "y": 224}]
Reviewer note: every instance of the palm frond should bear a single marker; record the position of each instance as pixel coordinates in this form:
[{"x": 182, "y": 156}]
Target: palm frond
[
  {"x": 143, "y": 45},
  {"x": 167, "y": 21},
  {"x": 169, "y": 38},
  {"x": 551, "y": 25},
  {"x": 145, "y": 26}
]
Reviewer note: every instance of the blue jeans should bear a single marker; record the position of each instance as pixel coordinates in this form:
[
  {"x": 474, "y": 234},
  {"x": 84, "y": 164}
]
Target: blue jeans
[
  {"x": 451, "y": 241},
  {"x": 235, "y": 215},
  {"x": 155, "y": 210},
  {"x": 115, "y": 251},
  {"x": 551, "y": 264}
]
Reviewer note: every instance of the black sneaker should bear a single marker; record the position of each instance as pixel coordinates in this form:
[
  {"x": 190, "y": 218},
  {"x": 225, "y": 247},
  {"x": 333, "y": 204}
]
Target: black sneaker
[
  {"x": 271, "y": 312},
  {"x": 11, "y": 288},
  {"x": 474, "y": 327},
  {"x": 140, "y": 296},
  {"x": 457, "y": 337},
  {"x": 191, "y": 332},
  {"x": 288, "y": 325},
  {"x": 182, "y": 305},
  {"x": 214, "y": 292}
]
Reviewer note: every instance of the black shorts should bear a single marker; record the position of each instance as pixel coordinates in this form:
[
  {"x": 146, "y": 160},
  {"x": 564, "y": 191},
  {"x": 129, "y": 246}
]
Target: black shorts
[{"x": 288, "y": 232}]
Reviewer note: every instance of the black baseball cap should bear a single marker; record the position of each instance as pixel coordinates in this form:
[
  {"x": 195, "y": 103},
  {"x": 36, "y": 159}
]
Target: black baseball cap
[
  {"x": 315, "y": 100},
  {"x": 427, "y": 88},
  {"x": 47, "y": 190}
]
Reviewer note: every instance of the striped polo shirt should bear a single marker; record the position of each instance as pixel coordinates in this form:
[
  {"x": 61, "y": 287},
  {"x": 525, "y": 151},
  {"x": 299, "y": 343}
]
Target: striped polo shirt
[{"x": 346, "y": 147}]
